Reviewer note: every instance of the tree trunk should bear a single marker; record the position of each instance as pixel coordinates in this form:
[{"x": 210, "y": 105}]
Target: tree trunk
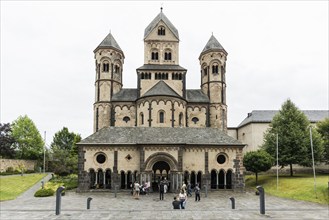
[
  {"x": 291, "y": 173},
  {"x": 256, "y": 178}
]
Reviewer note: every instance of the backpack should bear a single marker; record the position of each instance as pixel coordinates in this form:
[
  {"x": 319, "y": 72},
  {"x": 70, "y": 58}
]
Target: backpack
[{"x": 197, "y": 190}]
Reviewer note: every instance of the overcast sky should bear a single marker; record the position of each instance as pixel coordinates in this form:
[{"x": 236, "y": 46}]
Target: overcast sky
[{"x": 276, "y": 50}]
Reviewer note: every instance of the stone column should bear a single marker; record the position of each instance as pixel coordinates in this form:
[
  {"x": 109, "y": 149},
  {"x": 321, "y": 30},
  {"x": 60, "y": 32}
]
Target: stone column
[
  {"x": 104, "y": 183},
  {"x": 217, "y": 176},
  {"x": 126, "y": 181}
]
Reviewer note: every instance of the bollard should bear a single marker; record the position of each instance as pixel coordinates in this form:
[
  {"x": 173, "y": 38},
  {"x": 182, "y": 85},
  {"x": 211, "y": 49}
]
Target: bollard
[
  {"x": 261, "y": 199},
  {"x": 58, "y": 199},
  {"x": 232, "y": 202},
  {"x": 115, "y": 191},
  {"x": 42, "y": 184},
  {"x": 206, "y": 190},
  {"x": 88, "y": 202}
]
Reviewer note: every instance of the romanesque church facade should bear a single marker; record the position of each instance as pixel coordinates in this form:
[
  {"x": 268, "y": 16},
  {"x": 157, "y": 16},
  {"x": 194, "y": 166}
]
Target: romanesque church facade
[{"x": 160, "y": 129}]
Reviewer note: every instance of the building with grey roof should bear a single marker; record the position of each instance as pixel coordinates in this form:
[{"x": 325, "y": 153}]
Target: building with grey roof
[
  {"x": 160, "y": 129},
  {"x": 252, "y": 129}
]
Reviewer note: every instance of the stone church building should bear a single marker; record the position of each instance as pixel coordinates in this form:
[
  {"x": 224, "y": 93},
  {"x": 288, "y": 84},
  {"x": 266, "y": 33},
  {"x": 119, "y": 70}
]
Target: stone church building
[{"x": 160, "y": 129}]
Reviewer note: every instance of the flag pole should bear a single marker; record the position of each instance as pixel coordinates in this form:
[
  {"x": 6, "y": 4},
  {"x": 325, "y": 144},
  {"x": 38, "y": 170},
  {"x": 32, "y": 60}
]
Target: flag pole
[
  {"x": 316, "y": 196},
  {"x": 277, "y": 161},
  {"x": 44, "y": 155}
]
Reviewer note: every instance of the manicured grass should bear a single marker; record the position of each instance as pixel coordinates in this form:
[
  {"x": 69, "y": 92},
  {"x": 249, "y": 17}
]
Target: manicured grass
[
  {"x": 13, "y": 186},
  {"x": 298, "y": 187},
  {"x": 69, "y": 182}
]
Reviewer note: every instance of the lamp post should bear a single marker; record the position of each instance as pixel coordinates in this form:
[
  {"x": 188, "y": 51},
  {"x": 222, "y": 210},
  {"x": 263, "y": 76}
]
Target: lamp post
[{"x": 44, "y": 155}]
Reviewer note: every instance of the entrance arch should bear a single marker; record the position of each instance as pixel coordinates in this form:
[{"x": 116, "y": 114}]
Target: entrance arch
[{"x": 161, "y": 165}]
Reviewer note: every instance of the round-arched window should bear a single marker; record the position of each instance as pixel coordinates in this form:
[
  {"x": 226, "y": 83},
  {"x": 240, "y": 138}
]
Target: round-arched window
[
  {"x": 100, "y": 158},
  {"x": 221, "y": 159}
]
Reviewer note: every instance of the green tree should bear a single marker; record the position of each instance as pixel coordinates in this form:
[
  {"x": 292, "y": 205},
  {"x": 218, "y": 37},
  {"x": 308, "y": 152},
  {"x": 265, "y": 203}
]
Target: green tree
[
  {"x": 258, "y": 161},
  {"x": 65, "y": 153},
  {"x": 292, "y": 127},
  {"x": 29, "y": 143},
  {"x": 7, "y": 146},
  {"x": 323, "y": 129}
]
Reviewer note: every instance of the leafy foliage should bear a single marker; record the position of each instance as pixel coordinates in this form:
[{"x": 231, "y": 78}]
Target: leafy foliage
[
  {"x": 292, "y": 127},
  {"x": 7, "y": 147},
  {"x": 257, "y": 161},
  {"x": 29, "y": 143},
  {"x": 65, "y": 152},
  {"x": 44, "y": 193},
  {"x": 323, "y": 129}
]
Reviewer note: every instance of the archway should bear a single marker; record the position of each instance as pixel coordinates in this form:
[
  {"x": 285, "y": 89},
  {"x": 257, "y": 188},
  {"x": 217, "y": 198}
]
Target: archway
[
  {"x": 160, "y": 171},
  {"x": 229, "y": 179},
  {"x": 221, "y": 179},
  {"x": 92, "y": 175},
  {"x": 108, "y": 178},
  {"x": 213, "y": 179}
]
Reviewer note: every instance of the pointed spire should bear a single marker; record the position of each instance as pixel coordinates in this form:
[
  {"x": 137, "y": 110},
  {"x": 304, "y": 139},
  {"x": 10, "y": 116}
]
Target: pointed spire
[
  {"x": 109, "y": 41},
  {"x": 213, "y": 44}
]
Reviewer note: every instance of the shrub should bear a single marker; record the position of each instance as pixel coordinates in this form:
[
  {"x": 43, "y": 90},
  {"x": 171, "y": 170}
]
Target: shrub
[
  {"x": 44, "y": 193},
  {"x": 10, "y": 170}
]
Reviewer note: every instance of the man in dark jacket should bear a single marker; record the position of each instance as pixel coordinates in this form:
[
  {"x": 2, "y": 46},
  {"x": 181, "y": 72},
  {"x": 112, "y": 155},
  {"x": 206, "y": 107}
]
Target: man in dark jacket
[
  {"x": 161, "y": 189},
  {"x": 176, "y": 203}
]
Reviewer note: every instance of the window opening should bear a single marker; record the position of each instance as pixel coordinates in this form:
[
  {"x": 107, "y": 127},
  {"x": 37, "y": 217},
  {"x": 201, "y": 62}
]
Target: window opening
[
  {"x": 106, "y": 67},
  {"x": 100, "y": 158},
  {"x": 161, "y": 117},
  {"x": 126, "y": 119},
  {"x": 195, "y": 120}
]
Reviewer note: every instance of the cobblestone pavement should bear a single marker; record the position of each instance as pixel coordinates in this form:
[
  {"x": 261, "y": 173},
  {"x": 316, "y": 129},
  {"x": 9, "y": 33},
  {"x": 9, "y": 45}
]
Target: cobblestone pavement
[{"x": 104, "y": 205}]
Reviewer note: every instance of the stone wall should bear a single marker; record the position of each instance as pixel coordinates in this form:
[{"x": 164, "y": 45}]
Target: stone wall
[{"x": 27, "y": 164}]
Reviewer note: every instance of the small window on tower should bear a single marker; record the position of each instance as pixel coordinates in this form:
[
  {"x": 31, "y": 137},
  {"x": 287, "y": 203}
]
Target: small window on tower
[
  {"x": 106, "y": 67},
  {"x": 161, "y": 30},
  {"x": 161, "y": 117},
  {"x": 215, "y": 69}
]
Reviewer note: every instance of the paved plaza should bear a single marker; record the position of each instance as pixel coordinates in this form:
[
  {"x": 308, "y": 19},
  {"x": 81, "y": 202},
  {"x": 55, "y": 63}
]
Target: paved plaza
[{"x": 104, "y": 205}]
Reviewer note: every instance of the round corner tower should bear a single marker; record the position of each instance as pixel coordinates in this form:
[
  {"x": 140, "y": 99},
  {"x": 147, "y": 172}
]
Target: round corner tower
[
  {"x": 213, "y": 65},
  {"x": 109, "y": 59}
]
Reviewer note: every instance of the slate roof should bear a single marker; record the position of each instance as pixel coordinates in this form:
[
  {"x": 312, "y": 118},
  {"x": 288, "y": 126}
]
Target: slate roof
[
  {"x": 213, "y": 44},
  {"x": 266, "y": 116},
  {"x": 109, "y": 41},
  {"x": 161, "y": 89},
  {"x": 152, "y": 135},
  {"x": 160, "y": 67},
  {"x": 196, "y": 95},
  {"x": 156, "y": 20},
  {"x": 125, "y": 95}
]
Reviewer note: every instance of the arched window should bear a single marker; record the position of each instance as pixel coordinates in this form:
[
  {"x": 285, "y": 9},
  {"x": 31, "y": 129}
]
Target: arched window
[
  {"x": 205, "y": 71},
  {"x": 180, "y": 119},
  {"x": 161, "y": 30},
  {"x": 154, "y": 56},
  {"x": 116, "y": 69},
  {"x": 167, "y": 55},
  {"x": 161, "y": 117},
  {"x": 106, "y": 67},
  {"x": 141, "y": 118},
  {"x": 142, "y": 76},
  {"x": 215, "y": 68}
]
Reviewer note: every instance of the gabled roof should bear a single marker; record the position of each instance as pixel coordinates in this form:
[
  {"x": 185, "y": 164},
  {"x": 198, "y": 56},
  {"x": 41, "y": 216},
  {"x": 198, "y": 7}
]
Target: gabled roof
[
  {"x": 266, "y": 116},
  {"x": 213, "y": 44},
  {"x": 125, "y": 95},
  {"x": 156, "y": 20},
  {"x": 160, "y": 67},
  {"x": 196, "y": 95},
  {"x": 161, "y": 89},
  {"x": 155, "y": 135},
  {"x": 108, "y": 42}
]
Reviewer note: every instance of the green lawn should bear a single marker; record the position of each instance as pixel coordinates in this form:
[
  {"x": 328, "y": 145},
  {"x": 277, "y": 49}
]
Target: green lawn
[
  {"x": 13, "y": 186},
  {"x": 298, "y": 187}
]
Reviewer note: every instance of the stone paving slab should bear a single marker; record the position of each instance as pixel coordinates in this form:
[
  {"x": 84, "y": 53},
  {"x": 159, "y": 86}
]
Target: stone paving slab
[{"x": 104, "y": 205}]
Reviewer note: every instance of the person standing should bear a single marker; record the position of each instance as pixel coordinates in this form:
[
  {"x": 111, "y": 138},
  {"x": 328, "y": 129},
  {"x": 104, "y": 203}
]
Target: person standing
[
  {"x": 197, "y": 192},
  {"x": 189, "y": 189},
  {"x": 161, "y": 189},
  {"x": 182, "y": 198},
  {"x": 136, "y": 189}
]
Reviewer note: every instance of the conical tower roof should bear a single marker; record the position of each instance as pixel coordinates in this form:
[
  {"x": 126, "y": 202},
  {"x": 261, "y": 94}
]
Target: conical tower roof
[
  {"x": 109, "y": 42},
  {"x": 160, "y": 17},
  {"x": 213, "y": 44}
]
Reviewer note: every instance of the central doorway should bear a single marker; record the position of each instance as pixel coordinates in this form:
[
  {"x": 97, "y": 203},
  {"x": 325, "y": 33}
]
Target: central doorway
[{"x": 161, "y": 171}]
